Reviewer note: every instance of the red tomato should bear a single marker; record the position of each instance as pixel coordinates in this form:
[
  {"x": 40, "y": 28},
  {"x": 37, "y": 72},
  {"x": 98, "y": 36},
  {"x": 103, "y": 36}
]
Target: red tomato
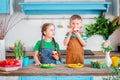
[
  {"x": 3, "y": 63},
  {"x": 10, "y": 61},
  {"x": 17, "y": 63}
]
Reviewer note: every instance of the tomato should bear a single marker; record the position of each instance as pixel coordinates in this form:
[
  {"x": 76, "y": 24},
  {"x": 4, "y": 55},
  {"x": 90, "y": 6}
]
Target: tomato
[
  {"x": 3, "y": 63},
  {"x": 16, "y": 62},
  {"x": 10, "y": 61}
]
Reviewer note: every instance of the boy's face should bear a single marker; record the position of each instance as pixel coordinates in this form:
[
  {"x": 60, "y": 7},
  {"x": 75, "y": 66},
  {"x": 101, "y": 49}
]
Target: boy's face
[
  {"x": 50, "y": 32},
  {"x": 76, "y": 23}
]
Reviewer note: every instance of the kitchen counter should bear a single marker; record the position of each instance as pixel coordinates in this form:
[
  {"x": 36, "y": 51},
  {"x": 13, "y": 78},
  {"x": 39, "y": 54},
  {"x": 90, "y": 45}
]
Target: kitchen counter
[{"x": 60, "y": 70}]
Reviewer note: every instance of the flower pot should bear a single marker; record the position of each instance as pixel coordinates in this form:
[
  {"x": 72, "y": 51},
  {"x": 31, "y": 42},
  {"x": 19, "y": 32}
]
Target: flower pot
[{"x": 21, "y": 62}]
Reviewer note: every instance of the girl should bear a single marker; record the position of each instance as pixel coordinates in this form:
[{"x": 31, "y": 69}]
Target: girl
[
  {"x": 74, "y": 42},
  {"x": 46, "y": 46}
]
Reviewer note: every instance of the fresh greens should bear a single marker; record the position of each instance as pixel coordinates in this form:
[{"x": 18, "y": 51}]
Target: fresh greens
[
  {"x": 102, "y": 26},
  {"x": 20, "y": 49},
  {"x": 116, "y": 75}
]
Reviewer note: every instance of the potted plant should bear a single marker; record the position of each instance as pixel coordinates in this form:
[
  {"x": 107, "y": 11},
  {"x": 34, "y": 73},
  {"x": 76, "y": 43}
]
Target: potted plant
[
  {"x": 20, "y": 52},
  {"x": 107, "y": 47},
  {"x": 103, "y": 26},
  {"x": 7, "y": 22},
  {"x": 20, "y": 49}
]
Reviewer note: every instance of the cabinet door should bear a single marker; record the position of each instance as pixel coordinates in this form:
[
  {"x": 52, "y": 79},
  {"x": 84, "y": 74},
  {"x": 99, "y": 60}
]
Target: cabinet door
[{"x": 4, "y": 6}]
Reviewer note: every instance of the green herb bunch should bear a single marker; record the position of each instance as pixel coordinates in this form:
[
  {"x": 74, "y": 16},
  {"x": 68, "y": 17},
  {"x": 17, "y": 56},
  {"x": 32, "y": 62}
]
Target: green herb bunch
[
  {"x": 20, "y": 49},
  {"x": 116, "y": 71},
  {"x": 116, "y": 75},
  {"x": 103, "y": 26}
]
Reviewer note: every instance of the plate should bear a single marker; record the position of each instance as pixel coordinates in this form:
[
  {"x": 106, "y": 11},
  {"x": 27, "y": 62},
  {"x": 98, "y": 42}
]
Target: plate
[
  {"x": 9, "y": 68},
  {"x": 48, "y": 66},
  {"x": 75, "y": 65}
]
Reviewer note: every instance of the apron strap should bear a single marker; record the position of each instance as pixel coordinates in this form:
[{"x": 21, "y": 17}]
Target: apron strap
[
  {"x": 54, "y": 46},
  {"x": 41, "y": 45}
]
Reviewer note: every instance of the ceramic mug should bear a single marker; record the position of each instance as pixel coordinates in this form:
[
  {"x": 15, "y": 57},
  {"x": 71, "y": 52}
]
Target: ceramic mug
[
  {"x": 115, "y": 61},
  {"x": 25, "y": 61}
]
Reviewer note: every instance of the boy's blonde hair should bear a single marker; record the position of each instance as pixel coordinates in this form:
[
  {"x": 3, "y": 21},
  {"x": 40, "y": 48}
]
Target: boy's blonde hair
[{"x": 73, "y": 17}]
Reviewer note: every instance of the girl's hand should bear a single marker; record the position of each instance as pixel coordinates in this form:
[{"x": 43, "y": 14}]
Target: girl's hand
[
  {"x": 55, "y": 55},
  {"x": 37, "y": 64}
]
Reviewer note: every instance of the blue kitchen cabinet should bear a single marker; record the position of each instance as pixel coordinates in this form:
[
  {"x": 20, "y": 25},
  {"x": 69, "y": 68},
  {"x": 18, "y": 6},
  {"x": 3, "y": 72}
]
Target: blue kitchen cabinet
[
  {"x": 4, "y": 6},
  {"x": 35, "y": 8},
  {"x": 56, "y": 78}
]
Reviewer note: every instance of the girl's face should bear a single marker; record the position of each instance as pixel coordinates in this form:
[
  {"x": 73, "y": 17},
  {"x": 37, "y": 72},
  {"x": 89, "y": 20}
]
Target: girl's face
[
  {"x": 50, "y": 31},
  {"x": 77, "y": 23}
]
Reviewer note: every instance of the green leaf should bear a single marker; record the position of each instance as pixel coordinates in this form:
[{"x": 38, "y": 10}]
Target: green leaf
[
  {"x": 19, "y": 53},
  {"x": 102, "y": 26}
]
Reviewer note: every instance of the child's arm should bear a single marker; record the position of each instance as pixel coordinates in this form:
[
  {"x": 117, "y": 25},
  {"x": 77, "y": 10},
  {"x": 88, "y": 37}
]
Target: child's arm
[
  {"x": 36, "y": 55},
  {"x": 80, "y": 38},
  {"x": 66, "y": 40}
]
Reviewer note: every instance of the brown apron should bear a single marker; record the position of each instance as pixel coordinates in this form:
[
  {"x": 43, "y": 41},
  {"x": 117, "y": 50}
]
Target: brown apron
[{"x": 75, "y": 52}]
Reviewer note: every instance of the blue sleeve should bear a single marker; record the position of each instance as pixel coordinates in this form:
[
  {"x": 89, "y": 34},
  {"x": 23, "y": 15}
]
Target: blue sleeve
[
  {"x": 66, "y": 35},
  {"x": 58, "y": 62},
  {"x": 84, "y": 36}
]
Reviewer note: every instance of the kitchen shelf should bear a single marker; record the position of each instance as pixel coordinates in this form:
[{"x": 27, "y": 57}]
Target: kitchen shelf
[{"x": 36, "y": 8}]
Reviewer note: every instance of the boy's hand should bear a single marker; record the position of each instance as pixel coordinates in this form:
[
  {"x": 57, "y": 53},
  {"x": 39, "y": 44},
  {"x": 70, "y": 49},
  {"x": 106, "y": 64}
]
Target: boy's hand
[
  {"x": 75, "y": 29},
  {"x": 77, "y": 34},
  {"x": 70, "y": 33}
]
